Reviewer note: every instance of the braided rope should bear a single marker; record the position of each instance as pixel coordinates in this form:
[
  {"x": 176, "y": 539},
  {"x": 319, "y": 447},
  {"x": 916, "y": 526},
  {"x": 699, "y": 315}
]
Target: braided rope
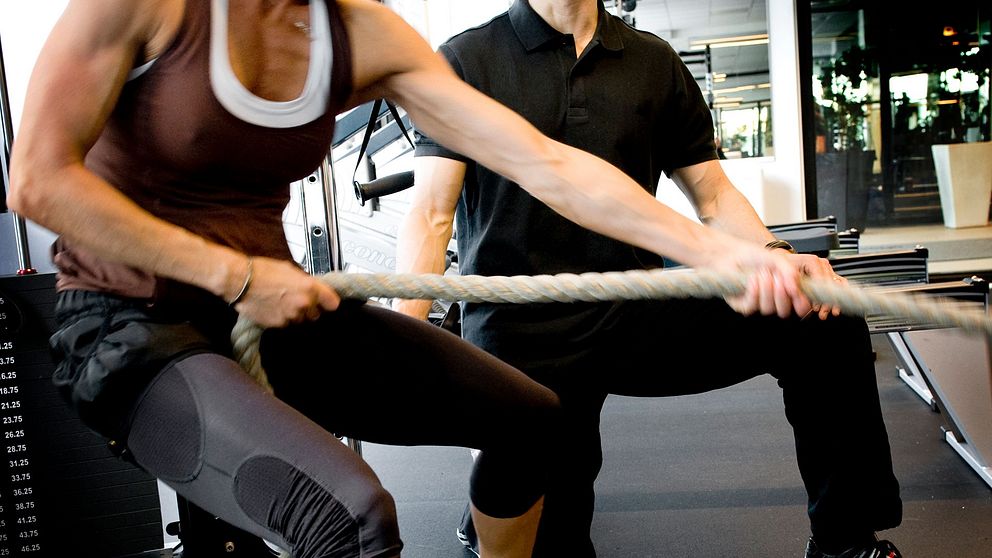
[{"x": 627, "y": 285}]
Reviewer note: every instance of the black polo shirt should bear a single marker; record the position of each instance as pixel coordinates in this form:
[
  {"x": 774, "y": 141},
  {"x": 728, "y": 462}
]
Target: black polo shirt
[{"x": 628, "y": 99}]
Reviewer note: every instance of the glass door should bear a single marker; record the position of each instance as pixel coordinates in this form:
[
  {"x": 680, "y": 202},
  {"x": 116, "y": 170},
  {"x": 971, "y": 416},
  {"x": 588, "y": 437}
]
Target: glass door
[{"x": 889, "y": 81}]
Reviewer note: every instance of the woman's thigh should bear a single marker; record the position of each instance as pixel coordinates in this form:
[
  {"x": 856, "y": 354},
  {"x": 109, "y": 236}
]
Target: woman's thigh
[{"x": 377, "y": 375}]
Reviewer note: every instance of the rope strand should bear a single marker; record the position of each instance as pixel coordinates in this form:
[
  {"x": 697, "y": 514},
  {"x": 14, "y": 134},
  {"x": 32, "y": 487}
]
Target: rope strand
[{"x": 612, "y": 286}]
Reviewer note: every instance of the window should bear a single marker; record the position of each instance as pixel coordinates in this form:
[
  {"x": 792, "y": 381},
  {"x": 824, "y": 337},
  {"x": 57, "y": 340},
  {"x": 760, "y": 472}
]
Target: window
[{"x": 888, "y": 83}]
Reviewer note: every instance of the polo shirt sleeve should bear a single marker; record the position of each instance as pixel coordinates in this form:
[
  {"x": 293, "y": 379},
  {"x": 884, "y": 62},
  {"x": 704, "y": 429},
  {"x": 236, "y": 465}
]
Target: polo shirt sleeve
[
  {"x": 690, "y": 138},
  {"x": 425, "y": 146}
]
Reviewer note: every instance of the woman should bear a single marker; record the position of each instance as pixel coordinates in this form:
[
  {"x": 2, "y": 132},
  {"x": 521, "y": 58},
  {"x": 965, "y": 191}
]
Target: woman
[{"x": 158, "y": 140}]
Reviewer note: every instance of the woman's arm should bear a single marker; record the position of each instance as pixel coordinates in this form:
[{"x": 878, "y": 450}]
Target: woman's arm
[
  {"x": 391, "y": 60},
  {"x": 74, "y": 87}
]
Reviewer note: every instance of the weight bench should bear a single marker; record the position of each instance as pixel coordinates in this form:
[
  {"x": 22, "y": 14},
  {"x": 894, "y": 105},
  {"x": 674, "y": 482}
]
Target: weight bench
[
  {"x": 814, "y": 236},
  {"x": 906, "y": 268},
  {"x": 821, "y": 236},
  {"x": 948, "y": 370}
]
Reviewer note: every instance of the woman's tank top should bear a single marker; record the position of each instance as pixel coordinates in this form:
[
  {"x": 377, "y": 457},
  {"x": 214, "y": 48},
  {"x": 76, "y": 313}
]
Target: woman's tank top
[{"x": 172, "y": 147}]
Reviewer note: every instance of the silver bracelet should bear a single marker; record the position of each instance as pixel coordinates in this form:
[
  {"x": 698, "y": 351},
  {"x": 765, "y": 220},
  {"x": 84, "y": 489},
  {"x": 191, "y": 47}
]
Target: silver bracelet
[{"x": 244, "y": 288}]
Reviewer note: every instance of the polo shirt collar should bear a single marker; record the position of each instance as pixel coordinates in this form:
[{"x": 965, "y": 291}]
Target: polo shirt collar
[{"x": 534, "y": 32}]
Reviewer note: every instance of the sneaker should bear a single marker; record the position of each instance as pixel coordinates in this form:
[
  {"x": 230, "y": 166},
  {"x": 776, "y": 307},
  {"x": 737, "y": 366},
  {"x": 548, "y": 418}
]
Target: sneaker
[
  {"x": 467, "y": 537},
  {"x": 878, "y": 549}
]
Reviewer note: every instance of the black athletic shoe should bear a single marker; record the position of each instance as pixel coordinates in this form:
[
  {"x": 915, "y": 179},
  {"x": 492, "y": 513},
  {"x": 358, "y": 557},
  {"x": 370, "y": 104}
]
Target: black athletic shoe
[
  {"x": 878, "y": 549},
  {"x": 468, "y": 538}
]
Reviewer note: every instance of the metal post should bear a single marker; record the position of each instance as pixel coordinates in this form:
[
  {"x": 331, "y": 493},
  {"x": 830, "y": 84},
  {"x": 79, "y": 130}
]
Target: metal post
[
  {"x": 20, "y": 230},
  {"x": 331, "y": 209},
  {"x": 710, "y": 95},
  {"x": 318, "y": 198}
]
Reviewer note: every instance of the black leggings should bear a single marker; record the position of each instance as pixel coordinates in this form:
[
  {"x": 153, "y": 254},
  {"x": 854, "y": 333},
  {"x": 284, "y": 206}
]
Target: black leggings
[{"x": 271, "y": 466}]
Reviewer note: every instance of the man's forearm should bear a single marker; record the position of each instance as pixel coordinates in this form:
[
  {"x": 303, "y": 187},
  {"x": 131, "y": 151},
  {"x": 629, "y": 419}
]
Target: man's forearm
[
  {"x": 719, "y": 204},
  {"x": 733, "y": 214},
  {"x": 420, "y": 248}
]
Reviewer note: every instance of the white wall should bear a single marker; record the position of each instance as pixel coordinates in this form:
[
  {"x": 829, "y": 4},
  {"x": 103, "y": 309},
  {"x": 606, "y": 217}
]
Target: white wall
[
  {"x": 438, "y": 20},
  {"x": 783, "y": 183},
  {"x": 749, "y": 177},
  {"x": 24, "y": 26}
]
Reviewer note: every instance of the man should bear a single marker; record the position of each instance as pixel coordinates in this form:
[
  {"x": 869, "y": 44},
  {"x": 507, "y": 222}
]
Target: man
[{"x": 583, "y": 77}]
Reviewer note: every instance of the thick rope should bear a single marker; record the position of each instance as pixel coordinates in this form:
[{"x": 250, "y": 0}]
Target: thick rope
[{"x": 627, "y": 285}]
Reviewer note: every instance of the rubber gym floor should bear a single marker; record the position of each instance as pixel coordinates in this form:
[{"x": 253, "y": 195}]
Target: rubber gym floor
[{"x": 715, "y": 475}]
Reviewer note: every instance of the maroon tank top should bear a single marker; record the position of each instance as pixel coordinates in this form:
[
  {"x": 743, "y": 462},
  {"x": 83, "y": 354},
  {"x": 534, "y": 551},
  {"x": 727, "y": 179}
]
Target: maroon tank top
[{"x": 173, "y": 149}]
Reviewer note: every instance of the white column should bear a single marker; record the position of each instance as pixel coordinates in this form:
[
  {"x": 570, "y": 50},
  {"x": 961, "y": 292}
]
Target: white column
[{"x": 784, "y": 195}]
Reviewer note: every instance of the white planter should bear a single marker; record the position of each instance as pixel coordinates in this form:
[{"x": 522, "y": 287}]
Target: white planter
[{"x": 964, "y": 179}]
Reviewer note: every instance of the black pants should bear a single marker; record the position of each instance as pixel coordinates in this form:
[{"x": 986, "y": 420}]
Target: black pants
[
  {"x": 666, "y": 348},
  {"x": 191, "y": 417}
]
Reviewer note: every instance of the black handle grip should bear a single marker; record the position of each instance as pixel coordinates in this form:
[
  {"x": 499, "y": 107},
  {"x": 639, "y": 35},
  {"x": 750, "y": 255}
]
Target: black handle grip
[{"x": 383, "y": 186}]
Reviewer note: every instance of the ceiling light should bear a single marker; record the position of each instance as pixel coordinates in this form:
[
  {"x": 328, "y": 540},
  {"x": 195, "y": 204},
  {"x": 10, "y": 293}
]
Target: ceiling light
[
  {"x": 723, "y": 42},
  {"x": 736, "y": 89}
]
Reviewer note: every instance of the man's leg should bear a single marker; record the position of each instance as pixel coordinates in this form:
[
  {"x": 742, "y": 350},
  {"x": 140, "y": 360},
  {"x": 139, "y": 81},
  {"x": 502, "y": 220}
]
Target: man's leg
[
  {"x": 831, "y": 400},
  {"x": 570, "y": 501},
  {"x": 466, "y": 530},
  {"x": 826, "y": 371}
]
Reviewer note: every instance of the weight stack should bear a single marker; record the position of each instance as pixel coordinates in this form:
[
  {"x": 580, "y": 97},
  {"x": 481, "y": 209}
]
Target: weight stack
[{"x": 62, "y": 492}]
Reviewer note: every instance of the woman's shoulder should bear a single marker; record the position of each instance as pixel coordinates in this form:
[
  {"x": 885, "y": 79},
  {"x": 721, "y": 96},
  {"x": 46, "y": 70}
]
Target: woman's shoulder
[
  {"x": 151, "y": 23},
  {"x": 385, "y": 49}
]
